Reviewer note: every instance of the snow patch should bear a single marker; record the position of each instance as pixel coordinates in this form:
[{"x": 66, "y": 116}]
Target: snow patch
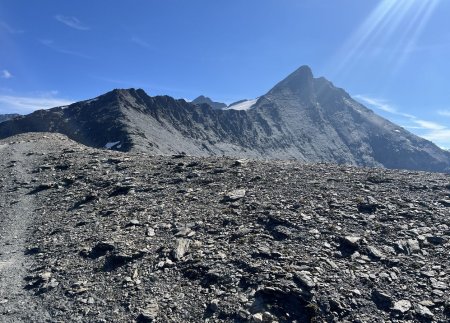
[
  {"x": 245, "y": 105},
  {"x": 109, "y": 145},
  {"x": 396, "y": 130},
  {"x": 90, "y": 101}
]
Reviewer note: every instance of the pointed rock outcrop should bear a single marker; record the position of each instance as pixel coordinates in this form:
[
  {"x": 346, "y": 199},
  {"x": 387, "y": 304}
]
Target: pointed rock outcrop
[{"x": 205, "y": 100}]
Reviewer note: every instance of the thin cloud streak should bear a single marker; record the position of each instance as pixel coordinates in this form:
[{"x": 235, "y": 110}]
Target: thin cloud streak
[
  {"x": 439, "y": 136},
  {"x": 9, "y": 29},
  {"x": 428, "y": 125},
  {"x": 72, "y": 22},
  {"x": 444, "y": 113},
  {"x": 376, "y": 102},
  {"x": 28, "y": 104},
  {"x": 51, "y": 44},
  {"x": 432, "y": 131},
  {"x": 140, "y": 42}
]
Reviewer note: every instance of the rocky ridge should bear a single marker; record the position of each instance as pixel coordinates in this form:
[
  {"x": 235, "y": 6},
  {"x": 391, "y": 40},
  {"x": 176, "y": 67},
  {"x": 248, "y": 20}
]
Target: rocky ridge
[
  {"x": 6, "y": 117},
  {"x": 303, "y": 118},
  {"x": 134, "y": 237}
]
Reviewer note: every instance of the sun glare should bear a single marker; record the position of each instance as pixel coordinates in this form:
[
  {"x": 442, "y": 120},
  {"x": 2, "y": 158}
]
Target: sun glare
[{"x": 391, "y": 30}]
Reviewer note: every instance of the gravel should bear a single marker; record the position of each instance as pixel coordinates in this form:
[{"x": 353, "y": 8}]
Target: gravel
[{"x": 129, "y": 237}]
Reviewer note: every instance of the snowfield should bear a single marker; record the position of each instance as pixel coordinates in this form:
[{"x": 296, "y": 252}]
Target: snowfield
[{"x": 246, "y": 105}]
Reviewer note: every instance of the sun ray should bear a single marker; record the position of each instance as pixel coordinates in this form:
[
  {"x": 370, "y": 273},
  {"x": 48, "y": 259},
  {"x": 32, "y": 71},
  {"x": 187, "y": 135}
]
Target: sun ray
[
  {"x": 391, "y": 30},
  {"x": 414, "y": 35},
  {"x": 407, "y": 30}
]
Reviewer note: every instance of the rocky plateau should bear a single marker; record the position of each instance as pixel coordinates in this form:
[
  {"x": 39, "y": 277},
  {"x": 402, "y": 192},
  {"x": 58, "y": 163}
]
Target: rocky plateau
[{"x": 95, "y": 235}]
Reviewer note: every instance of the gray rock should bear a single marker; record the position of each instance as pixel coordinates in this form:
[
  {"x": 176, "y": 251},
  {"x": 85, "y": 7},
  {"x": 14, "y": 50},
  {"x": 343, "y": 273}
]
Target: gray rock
[
  {"x": 445, "y": 202},
  {"x": 149, "y": 314},
  {"x": 374, "y": 252},
  {"x": 234, "y": 195},
  {"x": 214, "y": 305},
  {"x": 423, "y": 311},
  {"x": 413, "y": 246},
  {"x": 402, "y": 306},
  {"x": 257, "y": 318},
  {"x": 305, "y": 280},
  {"x": 133, "y": 222},
  {"x": 369, "y": 206},
  {"x": 383, "y": 300},
  {"x": 436, "y": 240},
  {"x": 436, "y": 284},
  {"x": 181, "y": 248},
  {"x": 351, "y": 242},
  {"x": 150, "y": 232}
]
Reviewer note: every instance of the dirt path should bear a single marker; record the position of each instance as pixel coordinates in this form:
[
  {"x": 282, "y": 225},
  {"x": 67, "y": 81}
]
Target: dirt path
[{"x": 16, "y": 215}]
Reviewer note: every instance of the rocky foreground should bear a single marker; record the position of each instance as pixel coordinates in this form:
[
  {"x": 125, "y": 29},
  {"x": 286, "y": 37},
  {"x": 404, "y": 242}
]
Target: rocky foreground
[{"x": 101, "y": 236}]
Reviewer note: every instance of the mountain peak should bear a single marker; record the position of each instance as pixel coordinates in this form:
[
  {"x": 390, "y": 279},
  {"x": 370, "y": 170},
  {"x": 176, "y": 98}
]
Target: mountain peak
[
  {"x": 301, "y": 76},
  {"x": 300, "y": 83},
  {"x": 303, "y": 72},
  {"x": 203, "y": 99}
]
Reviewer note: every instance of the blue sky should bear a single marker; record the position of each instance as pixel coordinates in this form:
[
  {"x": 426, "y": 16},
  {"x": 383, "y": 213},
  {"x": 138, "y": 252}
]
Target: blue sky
[{"x": 391, "y": 55}]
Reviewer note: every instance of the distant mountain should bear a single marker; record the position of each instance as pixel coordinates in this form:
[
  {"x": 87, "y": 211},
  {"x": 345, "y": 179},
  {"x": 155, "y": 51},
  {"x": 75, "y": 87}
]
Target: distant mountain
[
  {"x": 302, "y": 117},
  {"x": 203, "y": 99},
  {"x": 6, "y": 117}
]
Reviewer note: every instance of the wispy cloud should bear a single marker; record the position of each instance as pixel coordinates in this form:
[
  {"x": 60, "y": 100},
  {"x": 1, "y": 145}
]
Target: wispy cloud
[
  {"x": 428, "y": 125},
  {"x": 26, "y": 104},
  {"x": 441, "y": 137},
  {"x": 433, "y": 131},
  {"x": 381, "y": 105},
  {"x": 9, "y": 29},
  {"x": 5, "y": 74},
  {"x": 52, "y": 45},
  {"x": 139, "y": 41},
  {"x": 377, "y": 103},
  {"x": 72, "y": 22},
  {"x": 444, "y": 113}
]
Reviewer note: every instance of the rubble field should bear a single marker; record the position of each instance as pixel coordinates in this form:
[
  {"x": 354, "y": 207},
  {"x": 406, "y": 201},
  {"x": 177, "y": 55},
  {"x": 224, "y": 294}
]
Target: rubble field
[{"x": 129, "y": 237}]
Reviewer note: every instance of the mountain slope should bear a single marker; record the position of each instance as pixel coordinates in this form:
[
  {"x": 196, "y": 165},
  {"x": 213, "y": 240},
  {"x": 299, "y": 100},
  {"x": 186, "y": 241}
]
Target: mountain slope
[
  {"x": 341, "y": 129},
  {"x": 6, "y": 117},
  {"x": 302, "y": 117}
]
